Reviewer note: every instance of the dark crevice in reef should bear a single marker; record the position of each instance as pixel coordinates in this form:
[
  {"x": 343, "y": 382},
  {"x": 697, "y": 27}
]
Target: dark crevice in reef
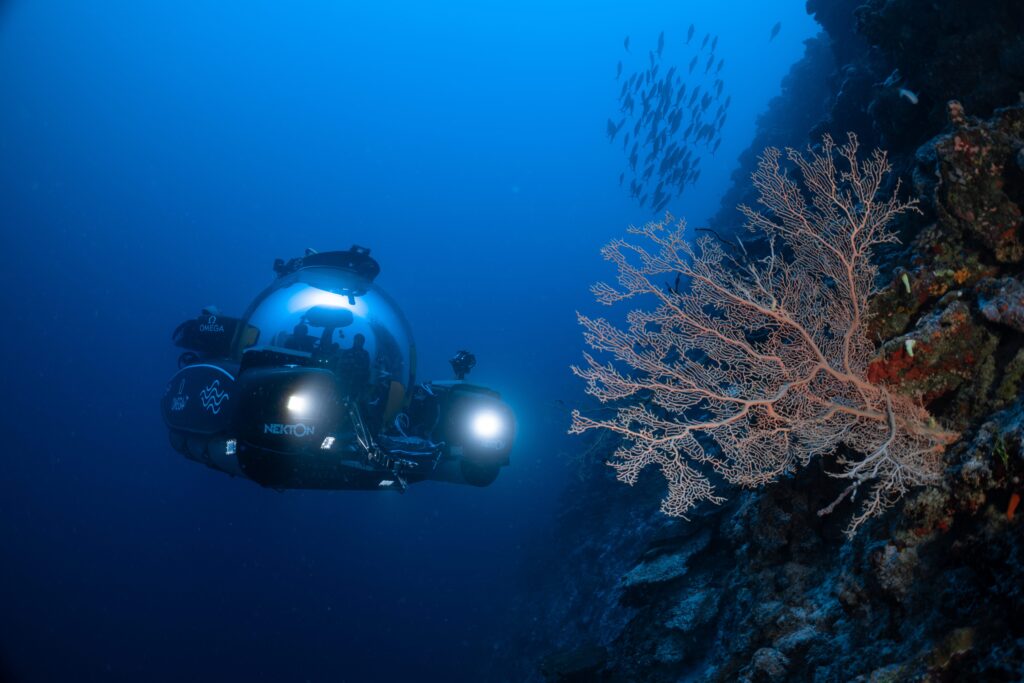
[{"x": 763, "y": 588}]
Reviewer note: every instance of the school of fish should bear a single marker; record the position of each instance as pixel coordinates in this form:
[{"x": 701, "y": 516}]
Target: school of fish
[{"x": 670, "y": 116}]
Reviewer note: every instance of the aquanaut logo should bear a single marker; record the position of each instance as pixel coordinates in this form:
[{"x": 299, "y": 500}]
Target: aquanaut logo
[{"x": 212, "y": 397}]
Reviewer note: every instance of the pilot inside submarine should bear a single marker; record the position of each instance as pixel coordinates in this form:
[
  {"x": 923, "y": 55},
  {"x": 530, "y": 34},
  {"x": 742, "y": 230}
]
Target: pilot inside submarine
[{"x": 315, "y": 388}]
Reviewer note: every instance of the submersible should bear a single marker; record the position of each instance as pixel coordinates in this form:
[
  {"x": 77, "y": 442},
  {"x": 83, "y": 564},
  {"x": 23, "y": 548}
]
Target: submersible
[{"x": 315, "y": 388}]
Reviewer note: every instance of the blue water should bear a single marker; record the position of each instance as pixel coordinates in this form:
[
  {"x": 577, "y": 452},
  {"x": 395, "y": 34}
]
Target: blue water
[{"x": 155, "y": 157}]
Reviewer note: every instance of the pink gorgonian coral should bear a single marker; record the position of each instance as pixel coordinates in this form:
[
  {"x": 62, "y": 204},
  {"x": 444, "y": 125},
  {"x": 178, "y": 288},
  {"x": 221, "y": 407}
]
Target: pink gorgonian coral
[{"x": 748, "y": 367}]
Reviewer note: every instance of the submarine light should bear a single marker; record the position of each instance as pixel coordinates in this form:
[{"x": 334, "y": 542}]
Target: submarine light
[
  {"x": 487, "y": 424},
  {"x": 297, "y": 403}
]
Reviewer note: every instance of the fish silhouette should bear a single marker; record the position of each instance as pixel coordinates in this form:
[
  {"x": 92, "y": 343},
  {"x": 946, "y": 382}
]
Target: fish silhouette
[
  {"x": 613, "y": 129},
  {"x": 693, "y": 63},
  {"x": 661, "y": 42},
  {"x": 618, "y": 71},
  {"x": 689, "y": 34},
  {"x": 681, "y": 94},
  {"x": 775, "y": 31},
  {"x": 625, "y": 43}
]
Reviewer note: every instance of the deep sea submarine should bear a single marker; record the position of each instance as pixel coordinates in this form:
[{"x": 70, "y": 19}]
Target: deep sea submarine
[{"x": 314, "y": 388}]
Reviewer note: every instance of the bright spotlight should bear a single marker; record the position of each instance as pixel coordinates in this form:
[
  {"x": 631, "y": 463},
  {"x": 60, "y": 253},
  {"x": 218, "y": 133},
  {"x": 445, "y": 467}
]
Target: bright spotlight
[
  {"x": 487, "y": 424},
  {"x": 298, "y": 403}
]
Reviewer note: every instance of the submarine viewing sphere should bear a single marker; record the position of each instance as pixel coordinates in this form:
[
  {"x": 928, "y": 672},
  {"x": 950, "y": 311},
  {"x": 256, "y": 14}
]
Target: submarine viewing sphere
[
  {"x": 315, "y": 387},
  {"x": 329, "y": 282}
]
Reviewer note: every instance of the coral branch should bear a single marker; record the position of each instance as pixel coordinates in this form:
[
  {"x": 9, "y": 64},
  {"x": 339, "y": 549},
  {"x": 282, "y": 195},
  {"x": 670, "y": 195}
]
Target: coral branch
[{"x": 755, "y": 367}]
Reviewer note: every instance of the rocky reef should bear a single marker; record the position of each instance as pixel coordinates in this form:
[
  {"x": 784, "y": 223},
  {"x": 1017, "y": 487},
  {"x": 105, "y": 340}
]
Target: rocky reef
[{"x": 764, "y": 588}]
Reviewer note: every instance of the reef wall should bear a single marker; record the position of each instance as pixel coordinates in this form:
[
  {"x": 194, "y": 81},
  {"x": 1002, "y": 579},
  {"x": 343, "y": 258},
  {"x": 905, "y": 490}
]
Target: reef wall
[{"x": 763, "y": 588}]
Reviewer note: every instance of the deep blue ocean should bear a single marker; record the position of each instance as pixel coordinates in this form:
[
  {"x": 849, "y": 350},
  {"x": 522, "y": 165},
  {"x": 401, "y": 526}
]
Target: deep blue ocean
[{"x": 155, "y": 158}]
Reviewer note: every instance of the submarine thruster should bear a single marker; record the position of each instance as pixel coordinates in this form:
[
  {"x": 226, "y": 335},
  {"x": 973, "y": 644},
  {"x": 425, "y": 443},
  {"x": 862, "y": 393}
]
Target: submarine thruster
[{"x": 314, "y": 387}]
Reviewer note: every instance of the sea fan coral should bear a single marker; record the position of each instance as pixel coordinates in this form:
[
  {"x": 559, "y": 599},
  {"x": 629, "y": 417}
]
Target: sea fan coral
[{"x": 751, "y": 367}]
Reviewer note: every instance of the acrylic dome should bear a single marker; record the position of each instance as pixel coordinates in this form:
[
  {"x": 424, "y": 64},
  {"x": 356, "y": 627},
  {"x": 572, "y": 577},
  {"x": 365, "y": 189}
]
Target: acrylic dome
[{"x": 320, "y": 294}]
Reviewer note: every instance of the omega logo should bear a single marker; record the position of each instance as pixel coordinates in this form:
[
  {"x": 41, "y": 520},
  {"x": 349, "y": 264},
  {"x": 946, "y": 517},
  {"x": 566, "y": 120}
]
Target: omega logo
[{"x": 211, "y": 325}]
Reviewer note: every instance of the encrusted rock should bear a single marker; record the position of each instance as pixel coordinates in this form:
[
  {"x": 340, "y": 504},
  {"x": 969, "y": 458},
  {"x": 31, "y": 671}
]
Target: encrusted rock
[
  {"x": 669, "y": 651},
  {"x": 795, "y": 643},
  {"x": 894, "y": 569},
  {"x": 940, "y": 354},
  {"x": 1002, "y": 301},
  {"x": 668, "y": 566},
  {"x": 695, "y": 609},
  {"x": 975, "y": 164},
  {"x": 894, "y": 308},
  {"x": 768, "y": 664}
]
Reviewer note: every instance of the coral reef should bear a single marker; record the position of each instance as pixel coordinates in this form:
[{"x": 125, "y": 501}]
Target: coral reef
[{"x": 762, "y": 588}]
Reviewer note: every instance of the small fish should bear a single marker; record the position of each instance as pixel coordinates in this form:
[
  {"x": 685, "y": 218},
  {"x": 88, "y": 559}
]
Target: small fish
[
  {"x": 714, "y": 149},
  {"x": 676, "y": 120},
  {"x": 720, "y": 65},
  {"x": 681, "y": 94},
  {"x": 711, "y": 63},
  {"x": 612, "y": 129},
  {"x": 689, "y": 34},
  {"x": 908, "y": 95},
  {"x": 714, "y": 44},
  {"x": 618, "y": 71},
  {"x": 693, "y": 63},
  {"x": 622, "y": 176},
  {"x": 775, "y": 31},
  {"x": 707, "y": 37},
  {"x": 661, "y": 42},
  {"x": 625, "y": 43}
]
